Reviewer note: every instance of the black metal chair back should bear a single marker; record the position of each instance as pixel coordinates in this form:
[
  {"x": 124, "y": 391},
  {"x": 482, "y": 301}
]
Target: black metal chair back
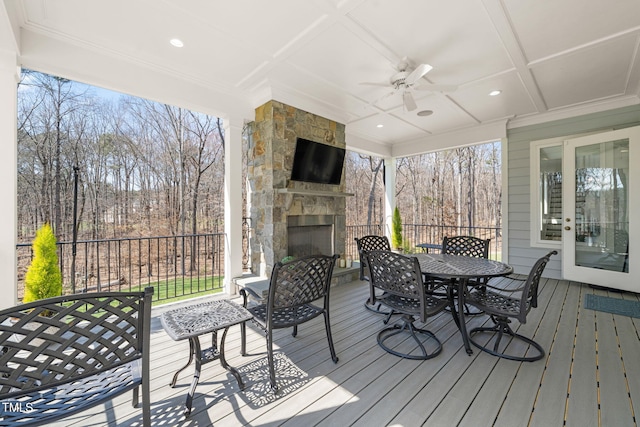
[
  {"x": 466, "y": 245},
  {"x": 370, "y": 243},
  {"x": 365, "y": 245},
  {"x": 299, "y": 282},
  {"x": 530, "y": 289},
  {"x": 398, "y": 276}
]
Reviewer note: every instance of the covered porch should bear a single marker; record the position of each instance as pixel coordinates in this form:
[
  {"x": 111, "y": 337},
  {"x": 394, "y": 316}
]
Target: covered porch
[
  {"x": 237, "y": 56},
  {"x": 591, "y": 374},
  {"x": 589, "y": 377}
]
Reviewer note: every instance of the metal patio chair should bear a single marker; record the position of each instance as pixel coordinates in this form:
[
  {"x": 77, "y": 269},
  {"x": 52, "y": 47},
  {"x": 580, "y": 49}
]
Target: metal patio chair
[
  {"x": 292, "y": 289},
  {"x": 503, "y": 304},
  {"x": 403, "y": 291},
  {"x": 464, "y": 246}
]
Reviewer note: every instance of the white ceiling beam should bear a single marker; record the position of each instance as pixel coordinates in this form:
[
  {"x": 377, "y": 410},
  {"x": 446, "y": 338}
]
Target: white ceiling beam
[
  {"x": 475, "y": 135},
  {"x": 365, "y": 146},
  {"x": 502, "y": 25}
]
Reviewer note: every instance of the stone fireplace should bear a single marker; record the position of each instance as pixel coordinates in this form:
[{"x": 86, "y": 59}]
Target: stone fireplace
[{"x": 290, "y": 217}]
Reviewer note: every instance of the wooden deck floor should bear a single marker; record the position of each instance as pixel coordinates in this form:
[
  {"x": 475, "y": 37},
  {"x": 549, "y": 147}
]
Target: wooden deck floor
[{"x": 590, "y": 376}]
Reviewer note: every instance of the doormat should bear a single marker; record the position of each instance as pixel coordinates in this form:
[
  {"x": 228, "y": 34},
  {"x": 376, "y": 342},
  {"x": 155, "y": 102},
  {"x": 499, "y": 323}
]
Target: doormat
[{"x": 612, "y": 305}]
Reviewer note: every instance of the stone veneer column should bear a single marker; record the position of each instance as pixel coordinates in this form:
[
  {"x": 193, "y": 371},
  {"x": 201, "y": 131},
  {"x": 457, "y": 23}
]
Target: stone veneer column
[{"x": 275, "y": 130}]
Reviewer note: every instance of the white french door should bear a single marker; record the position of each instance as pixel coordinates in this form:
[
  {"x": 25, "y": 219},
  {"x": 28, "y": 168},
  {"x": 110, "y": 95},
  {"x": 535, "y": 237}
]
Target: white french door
[{"x": 601, "y": 209}]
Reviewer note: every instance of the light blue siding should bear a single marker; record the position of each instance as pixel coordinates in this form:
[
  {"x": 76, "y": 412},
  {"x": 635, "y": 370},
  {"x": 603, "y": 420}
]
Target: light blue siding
[{"x": 521, "y": 255}]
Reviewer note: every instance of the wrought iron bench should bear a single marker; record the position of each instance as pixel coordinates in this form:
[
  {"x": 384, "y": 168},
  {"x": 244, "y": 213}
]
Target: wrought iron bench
[{"x": 60, "y": 356}]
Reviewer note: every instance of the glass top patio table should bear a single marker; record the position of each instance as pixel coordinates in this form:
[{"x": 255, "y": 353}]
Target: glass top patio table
[{"x": 460, "y": 268}]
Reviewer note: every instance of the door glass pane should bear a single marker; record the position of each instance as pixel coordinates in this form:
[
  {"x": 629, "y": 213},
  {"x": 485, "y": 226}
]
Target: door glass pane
[
  {"x": 551, "y": 193},
  {"x": 602, "y": 208}
]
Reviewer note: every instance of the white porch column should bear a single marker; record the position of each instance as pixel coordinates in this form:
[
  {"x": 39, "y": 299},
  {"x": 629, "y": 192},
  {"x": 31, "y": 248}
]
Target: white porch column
[
  {"x": 390, "y": 193},
  {"x": 232, "y": 202},
  {"x": 9, "y": 77}
]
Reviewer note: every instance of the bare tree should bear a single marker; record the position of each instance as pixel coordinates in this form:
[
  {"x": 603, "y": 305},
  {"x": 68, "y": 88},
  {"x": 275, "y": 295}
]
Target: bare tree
[
  {"x": 143, "y": 166},
  {"x": 49, "y": 109},
  {"x": 457, "y": 188}
]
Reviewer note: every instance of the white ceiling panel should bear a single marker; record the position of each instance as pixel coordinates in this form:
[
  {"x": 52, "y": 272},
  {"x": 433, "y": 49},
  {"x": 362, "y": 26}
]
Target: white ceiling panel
[
  {"x": 550, "y": 58},
  {"x": 597, "y": 72},
  {"x": 266, "y": 26},
  {"x": 343, "y": 60},
  {"x": 392, "y": 130},
  {"x": 513, "y": 100},
  {"x": 446, "y": 115},
  {"x": 548, "y": 28},
  {"x": 456, "y": 37}
]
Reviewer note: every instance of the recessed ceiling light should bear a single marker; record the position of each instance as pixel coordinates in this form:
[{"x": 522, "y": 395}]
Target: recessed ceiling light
[
  {"x": 380, "y": 126},
  {"x": 495, "y": 92},
  {"x": 176, "y": 42},
  {"x": 425, "y": 113}
]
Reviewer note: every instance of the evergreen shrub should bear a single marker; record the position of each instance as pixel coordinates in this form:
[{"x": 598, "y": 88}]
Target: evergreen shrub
[{"x": 43, "y": 278}]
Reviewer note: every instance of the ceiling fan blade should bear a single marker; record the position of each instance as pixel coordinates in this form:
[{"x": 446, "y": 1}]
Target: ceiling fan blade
[
  {"x": 374, "y": 84},
  {"x": 385, "y": 96},
  {"x": 409, "y": 102},
  {"x": 418, "y": 73},
  {"x": 436, "y": 88}
]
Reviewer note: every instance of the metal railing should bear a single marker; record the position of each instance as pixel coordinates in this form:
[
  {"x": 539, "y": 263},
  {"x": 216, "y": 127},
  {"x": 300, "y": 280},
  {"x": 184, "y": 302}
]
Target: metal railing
[
  {"x": 174, "y": 265},
  {"x": 414, "y": 234},
  {"x": 421, "y": 233},
  {"x": 187, "y": 265},
  {"x": 353, "y": 231}
]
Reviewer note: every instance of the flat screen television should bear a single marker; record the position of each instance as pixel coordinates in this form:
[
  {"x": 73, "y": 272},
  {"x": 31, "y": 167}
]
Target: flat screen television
[{"x": 319, "y": 163}]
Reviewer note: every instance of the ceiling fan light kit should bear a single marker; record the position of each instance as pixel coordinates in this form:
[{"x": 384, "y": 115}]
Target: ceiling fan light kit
[{"x": 405, "y": 82}]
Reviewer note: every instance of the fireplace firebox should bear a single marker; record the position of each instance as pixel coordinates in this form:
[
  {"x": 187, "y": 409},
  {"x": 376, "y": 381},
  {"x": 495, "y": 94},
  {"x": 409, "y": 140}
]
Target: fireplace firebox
[{"x": 310, "y": 235}]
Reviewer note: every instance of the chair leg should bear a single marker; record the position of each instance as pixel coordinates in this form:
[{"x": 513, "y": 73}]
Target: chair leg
[
  {"x": 332, "y": 349},
  {"x": 371, "y": 305},
  {"x": 243, "y": 338},
  {"x": 146, "y": 402},
  {"x": 295, "y": 331},
  {"x": 272, "y": 369},
  {"x": 498, "y": 331},
  {"x": 376, "y": 308},
  {"x": 468, "y": 310},
  {"x": 386, "y": 321},
  {"x": 406, "y": 323},
  {"x": 136, "y": 399}
]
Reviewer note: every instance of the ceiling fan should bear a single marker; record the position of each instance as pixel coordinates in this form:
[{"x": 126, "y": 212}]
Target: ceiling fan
[{"x": 404, "y": 81}]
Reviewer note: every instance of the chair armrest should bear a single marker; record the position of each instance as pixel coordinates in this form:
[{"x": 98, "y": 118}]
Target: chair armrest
[
  {"x": 246, "y": 293},
  {"x": 507, "y": 289}
]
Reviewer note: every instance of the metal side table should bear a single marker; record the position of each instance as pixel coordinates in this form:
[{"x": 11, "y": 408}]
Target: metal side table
[{"x": 189, "y": 322}]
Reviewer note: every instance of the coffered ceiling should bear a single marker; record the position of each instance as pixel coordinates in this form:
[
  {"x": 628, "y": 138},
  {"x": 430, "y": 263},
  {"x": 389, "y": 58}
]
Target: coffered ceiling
[{"x": 549, "y": 59}]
